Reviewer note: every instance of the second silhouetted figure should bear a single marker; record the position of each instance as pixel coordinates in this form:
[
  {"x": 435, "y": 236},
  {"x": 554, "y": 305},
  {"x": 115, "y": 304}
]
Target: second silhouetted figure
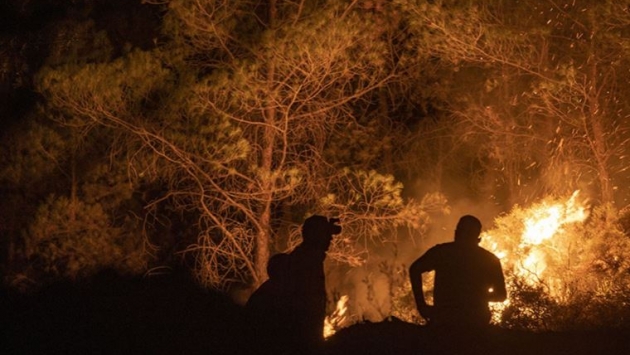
[{"x": 467, "y": 277}]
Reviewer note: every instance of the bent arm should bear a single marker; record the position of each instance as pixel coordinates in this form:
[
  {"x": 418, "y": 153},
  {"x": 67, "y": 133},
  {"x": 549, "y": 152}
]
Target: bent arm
[
  {"x": 415, "y": 275},
  {"x": 499, "y": 293}
]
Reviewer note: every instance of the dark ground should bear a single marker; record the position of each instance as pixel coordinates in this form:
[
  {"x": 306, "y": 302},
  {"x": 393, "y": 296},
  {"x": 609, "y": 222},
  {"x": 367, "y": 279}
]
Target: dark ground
[
  {"x": 171, "y": 315},
  {"x": 397, "y": 337}
]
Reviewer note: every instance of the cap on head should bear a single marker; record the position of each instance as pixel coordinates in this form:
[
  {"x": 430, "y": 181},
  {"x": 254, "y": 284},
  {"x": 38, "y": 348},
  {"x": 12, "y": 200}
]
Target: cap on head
[{"x": 468, "y": 229}]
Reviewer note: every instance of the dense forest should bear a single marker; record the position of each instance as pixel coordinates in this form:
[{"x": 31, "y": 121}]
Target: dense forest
[{"x": 149, "y": 135}]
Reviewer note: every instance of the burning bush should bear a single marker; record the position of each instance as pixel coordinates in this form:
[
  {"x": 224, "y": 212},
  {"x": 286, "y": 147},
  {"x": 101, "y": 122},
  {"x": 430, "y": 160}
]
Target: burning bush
[{"x": 564, "y": 268}]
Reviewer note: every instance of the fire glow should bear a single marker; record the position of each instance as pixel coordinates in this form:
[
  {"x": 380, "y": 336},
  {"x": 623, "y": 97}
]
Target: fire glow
[
  {"x": 535, "y": 244},
  {"x": 544, "y": 244},
  {"x": 334, "y": 321}
]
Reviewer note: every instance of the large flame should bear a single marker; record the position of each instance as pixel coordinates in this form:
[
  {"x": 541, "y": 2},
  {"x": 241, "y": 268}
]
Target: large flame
[{"x": 543, "y": 243}]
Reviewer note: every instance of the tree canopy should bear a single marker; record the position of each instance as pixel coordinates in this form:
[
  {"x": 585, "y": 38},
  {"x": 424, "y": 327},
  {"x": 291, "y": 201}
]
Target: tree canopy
[{"x": 208, "y": 131}]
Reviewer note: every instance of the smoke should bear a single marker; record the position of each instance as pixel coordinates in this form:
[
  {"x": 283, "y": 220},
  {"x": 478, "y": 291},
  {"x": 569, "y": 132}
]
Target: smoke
[{"x": 372, "y": 286}]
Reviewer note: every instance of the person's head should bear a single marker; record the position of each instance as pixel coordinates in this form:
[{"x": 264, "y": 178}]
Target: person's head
[
  {"x": 278, "y": 265},
  {"x": 468, "y": 230},
  {"x": 318, "y": 231}
]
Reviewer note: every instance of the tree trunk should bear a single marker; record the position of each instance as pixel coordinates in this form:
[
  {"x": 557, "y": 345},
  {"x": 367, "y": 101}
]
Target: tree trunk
[
  {"x": 263, "y": 238},
  {"x": 596, "y": 134}
]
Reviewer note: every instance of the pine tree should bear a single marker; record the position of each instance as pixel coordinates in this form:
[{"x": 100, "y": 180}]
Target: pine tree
[{"x": 235, "y": 111}]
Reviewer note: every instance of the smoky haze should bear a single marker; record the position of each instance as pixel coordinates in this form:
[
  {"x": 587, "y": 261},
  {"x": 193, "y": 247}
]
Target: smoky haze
[{"x": 370, "y": 287}]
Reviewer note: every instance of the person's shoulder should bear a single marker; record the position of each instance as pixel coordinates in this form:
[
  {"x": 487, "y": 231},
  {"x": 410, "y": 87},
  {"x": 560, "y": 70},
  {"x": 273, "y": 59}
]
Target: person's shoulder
[
  {"x": 445, "y": 245},
  {"x": 487, "y": 253},
  {"x": 442, "y": 247}
]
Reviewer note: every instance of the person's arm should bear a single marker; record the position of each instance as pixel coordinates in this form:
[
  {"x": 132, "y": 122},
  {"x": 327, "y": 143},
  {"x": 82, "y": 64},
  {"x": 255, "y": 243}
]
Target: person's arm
[
  {"x": 499, "y": 293},
  {"x": 416, "y": 269},
  {"x": 415, "y": 276}
]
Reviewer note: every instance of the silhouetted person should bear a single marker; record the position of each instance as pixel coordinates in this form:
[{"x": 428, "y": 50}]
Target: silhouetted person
[
  {"x": 467, "y": 277},
  {"x": 294, "y": 297},
  {"x": 270, "y": 314},
  {"x": 307, "y": 280},
  {"x": 271, "y": 295}
]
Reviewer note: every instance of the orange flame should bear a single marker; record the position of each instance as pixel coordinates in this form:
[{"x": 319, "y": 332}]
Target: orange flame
[
  {"x": 543, "y": 236},
  {"x": 334, "y": 322}
]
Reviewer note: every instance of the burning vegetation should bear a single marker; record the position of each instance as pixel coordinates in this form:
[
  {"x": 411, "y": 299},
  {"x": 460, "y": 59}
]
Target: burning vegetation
[
  {"x": 539, "y": 248},
  {"x": 566, "y": 267},
  {"x": 337, "y": 318}
]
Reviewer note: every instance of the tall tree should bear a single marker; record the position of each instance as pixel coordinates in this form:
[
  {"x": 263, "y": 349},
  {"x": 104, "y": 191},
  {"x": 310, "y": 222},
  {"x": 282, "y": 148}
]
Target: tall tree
[{"x": 233, "y": 111}]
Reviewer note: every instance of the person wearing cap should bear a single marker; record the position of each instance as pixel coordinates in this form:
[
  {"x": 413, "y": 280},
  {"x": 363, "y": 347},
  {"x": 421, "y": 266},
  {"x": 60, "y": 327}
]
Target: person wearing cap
[
  {"x": 307, "y": 282},
  {"x": 288, "y": 310}
]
